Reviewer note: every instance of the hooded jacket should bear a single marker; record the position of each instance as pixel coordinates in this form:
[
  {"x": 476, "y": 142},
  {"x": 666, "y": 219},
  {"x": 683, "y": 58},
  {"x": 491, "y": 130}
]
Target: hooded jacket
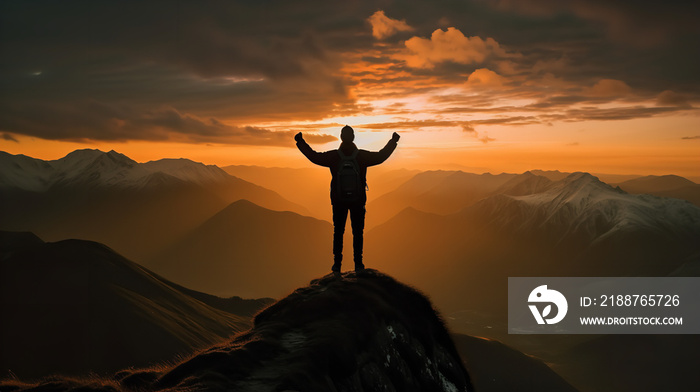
[{"x": 331, "y": 160}]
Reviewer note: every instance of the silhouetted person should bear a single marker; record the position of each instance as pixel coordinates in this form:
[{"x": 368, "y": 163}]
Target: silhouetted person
[{"x": 348, "y": 167}]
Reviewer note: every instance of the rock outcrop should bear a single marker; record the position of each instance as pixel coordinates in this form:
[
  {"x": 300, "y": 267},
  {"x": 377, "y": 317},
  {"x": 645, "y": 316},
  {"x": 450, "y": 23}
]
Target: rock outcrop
[{"x": 355, "y": 332}]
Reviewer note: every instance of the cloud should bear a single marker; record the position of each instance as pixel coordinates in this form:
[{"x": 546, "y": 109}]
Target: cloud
[
  {"x": 465, "y": 126},
  {"x": 611, "y": 114},
  {"x": 484, "y": 77},
  {"x": 484, "y": 138},
  {"x": 468, "y": 128},
  {"x": 384, "y": 27},
  {"x": 640, "y": 23},
  {"x": 671, "y": 98},
  {"x": 510, "y": 120},
  {"x": 8, "y": 137},
  {"x": 210, "y": 39},
  {"x": 69, "y": 102},
  {"x": 412, "y": 124},
  {"x": 222, "y": 71},
  {"x": 238, "y": 62},
  {"x": 640, "y": 42},
  {"x": 97, "y": 121},
  {"x": 609, "y": 88},
  {"x": 691, "y": 137},
  {"x": 449, "y": 46}
]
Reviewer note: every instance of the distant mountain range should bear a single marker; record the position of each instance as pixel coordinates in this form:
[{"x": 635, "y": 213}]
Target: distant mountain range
[
  {"x": 310, "y": 186},
  {"x": 249, "y": 250},
  {"x": 75, "y": 306},
  {"x": 440, "y": 192},
  {"x": 664, "y": 186},
  {"x": 446, "y": 192},
  {"x": 215, "y": 232},
  {"x": 94, "y": 169},
  {"x": 577, "y": 226},
  {"x": 136, "y": 208}
]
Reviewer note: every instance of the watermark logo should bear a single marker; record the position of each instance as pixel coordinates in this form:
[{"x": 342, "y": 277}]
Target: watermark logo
[
  {"x": 603, "y": 305},
  {"x": 543, "y": 295}
]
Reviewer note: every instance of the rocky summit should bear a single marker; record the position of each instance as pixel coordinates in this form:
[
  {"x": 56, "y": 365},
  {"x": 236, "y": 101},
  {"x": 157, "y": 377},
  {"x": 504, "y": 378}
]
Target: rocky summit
[{"x": 352, "y": 332}]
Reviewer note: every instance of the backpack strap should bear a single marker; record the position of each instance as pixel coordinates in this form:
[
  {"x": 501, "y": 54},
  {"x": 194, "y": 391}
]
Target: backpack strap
[{"x": 351, "y": 156}]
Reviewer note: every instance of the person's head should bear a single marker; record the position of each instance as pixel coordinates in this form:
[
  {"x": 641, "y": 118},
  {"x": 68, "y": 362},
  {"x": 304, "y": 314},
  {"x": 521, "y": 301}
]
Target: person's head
[{"x": 347, "y": 134}]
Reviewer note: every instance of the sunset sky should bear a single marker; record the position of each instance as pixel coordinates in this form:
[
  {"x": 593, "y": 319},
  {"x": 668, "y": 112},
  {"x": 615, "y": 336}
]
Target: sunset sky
[{"x": 607, "y": 86}]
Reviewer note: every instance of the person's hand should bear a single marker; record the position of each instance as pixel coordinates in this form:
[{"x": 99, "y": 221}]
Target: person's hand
[
  {"x": 395, "y": 137},
  {"x": 298, "y": 137}
]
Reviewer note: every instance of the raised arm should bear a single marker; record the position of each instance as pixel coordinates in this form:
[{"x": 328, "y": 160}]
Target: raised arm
[
  {"x": 319, "y": 158},
  {"x": 375, "y": 158}
]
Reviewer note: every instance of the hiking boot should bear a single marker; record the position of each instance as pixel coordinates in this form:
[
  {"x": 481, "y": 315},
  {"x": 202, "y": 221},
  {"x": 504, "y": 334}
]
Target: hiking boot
[
  {"x": 359, "y": 267},
  {"x": 336, "y": 267}
]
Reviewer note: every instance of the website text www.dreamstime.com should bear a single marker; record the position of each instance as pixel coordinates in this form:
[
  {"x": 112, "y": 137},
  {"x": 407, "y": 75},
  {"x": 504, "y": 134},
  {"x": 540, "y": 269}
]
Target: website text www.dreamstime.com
[{"x": 631, "y": 320}]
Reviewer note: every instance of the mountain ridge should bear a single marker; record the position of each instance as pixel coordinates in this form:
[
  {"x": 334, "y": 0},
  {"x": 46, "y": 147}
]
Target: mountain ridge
[
  {"x": 118, "y": 201},
  {"x": 581, "y": 198},
  {"x": 355, "y": 332},
  {"x": 86, "y": 308},
  {"x": 240, "y": 244},
  {"x": 348, "y": 333},
  {"x": 578, "y": 226},
  {"x": 664, "y": 186},
  {"x": 92, "y": 167}
]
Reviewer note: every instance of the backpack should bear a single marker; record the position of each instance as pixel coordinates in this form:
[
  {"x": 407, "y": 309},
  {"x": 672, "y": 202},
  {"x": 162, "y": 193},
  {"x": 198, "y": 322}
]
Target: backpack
[{"x": 348, "y": 180}]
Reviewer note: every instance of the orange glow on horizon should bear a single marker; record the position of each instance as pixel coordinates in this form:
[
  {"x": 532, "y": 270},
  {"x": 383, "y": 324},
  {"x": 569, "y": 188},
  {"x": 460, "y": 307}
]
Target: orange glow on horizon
[{"x": 448, "y": 150}]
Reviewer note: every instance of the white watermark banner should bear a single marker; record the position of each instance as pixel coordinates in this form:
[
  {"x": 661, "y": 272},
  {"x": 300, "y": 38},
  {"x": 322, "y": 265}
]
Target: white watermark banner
[{"x": 548, "y": 305}]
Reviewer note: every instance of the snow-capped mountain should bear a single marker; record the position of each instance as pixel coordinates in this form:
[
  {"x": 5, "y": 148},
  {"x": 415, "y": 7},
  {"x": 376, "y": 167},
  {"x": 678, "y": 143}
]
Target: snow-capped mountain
[
  {"x": 187, "y": 170},
  {"x": 23, "y": 172},
  {"x": 577, "y": 226},
  {"x": 582, "y": 205},
  {"x": 135, "y": 208},
  {"x": 440, "y": 192},
  {"x": 524, "y": 184},
  {"x": 94, "y": 168}
]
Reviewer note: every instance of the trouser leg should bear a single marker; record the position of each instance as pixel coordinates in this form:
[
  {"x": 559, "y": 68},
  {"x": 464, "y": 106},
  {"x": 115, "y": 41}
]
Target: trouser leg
[
  {"x": 340, "y": 216},
  {"x": 357, "y": 219}
]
